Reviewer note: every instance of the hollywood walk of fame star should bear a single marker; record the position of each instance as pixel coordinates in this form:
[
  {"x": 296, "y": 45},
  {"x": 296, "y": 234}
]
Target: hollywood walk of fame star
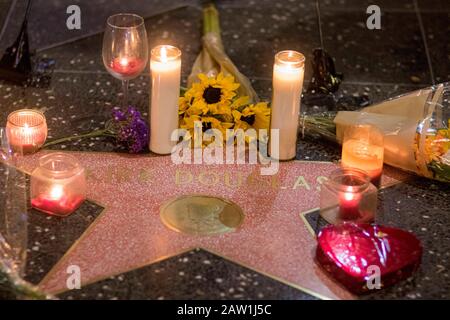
[{"x": 272, "y": 239}]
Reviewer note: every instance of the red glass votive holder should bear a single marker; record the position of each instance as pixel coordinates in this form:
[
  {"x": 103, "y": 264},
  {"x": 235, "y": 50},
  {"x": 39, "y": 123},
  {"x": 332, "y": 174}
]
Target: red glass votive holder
[
  {"x": 27, "y": 130},
  {"x": 58, "y": 184},
  {"x": 348, "y": 195}
]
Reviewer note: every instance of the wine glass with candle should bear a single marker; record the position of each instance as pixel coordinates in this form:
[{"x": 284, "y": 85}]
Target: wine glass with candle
[{"x": 125, "y": 48}]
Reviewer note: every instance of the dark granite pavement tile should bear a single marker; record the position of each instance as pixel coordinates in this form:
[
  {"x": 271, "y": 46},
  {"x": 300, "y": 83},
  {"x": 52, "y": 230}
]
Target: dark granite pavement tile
[
  {"x": 252, "y": 36},
  {"x": 282, "y": 4},
  {"x": 420, "y": 206},
  {"x": 434, "y": 5},
  {"x": 5, "y": 5},
  {"x": 394, "y": 54},
  {"x": 50, "y": 237},
  {"x": 386, "y": 5},
  {"x": 197, "y": 274},
  {"x": 76, "y": 104},
  {"x": 47, "y": 24},
  {"x": 375, "y": 92},
  {"x": 179, "y": 27},
  {"x": 361, "y": 5},
  {"x": 437, "y": 31}
]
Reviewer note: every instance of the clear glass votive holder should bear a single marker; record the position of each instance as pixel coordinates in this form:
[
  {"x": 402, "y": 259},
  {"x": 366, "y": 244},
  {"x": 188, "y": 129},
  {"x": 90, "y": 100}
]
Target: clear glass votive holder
[
  {"x": 363, "y": 148},
  {"x": 58, "y": 184},
  {"x": 348, "y": 195},
  {"x": 27, "y": 129}
]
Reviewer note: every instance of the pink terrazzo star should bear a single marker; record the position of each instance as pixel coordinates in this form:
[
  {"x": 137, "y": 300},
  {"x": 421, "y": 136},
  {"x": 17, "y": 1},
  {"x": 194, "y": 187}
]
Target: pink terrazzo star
[{"x": 273, "y": 239}]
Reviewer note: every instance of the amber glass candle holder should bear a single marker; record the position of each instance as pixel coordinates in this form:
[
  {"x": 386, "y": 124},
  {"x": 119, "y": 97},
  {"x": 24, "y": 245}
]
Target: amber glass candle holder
[
  {"x": 27, "y": 130},
  {"x": 348, "y": 195},
  {"x": 363, "y": 148},
  {"x": 58, "y": 184}
]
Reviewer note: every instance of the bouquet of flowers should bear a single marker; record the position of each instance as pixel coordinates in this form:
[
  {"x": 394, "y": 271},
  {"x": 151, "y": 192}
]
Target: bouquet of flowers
[
  {"x": 218, "y": 95},
  {"x": 416, "y": 129}
]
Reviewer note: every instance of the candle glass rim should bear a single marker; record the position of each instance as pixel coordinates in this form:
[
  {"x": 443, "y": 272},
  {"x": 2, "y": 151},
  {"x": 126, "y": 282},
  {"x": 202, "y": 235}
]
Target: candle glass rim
[
  {"x": 361, "y": 180},
  {"x": 373, "y": 135},
  {"x": 298, "y": 63},
  {"x": 31, "y": 111},
  {"x": 75, "y": 169},
  {"x": 154, "y": 53},
  {"x": 115, "y": 26}
]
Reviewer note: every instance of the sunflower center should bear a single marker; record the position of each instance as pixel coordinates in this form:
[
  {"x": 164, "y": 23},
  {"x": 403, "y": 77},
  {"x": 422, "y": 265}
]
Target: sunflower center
[
  {"x": 249, "y": 119},
  {"x": 206, "y": 126},
  {"x": 212, "y": 95}
]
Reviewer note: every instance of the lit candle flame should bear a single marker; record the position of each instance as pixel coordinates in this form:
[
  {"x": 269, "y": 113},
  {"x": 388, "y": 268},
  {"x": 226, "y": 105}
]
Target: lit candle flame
[
  {"x": 163, "y": 54},
  {"x": 56, "y": 192},
  {"x": 349, "y": 195},
  {"x": 123, "y": 62},
  {"x": 26, "y": 129}
]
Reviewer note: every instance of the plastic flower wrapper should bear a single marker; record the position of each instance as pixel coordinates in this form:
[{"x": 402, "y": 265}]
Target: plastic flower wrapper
[
  {"x": 128, "y": 128},
  {"x": 218, "y": 95},
  {"x": 213, "y": 60},
  {"x": 415, "y": 128}
]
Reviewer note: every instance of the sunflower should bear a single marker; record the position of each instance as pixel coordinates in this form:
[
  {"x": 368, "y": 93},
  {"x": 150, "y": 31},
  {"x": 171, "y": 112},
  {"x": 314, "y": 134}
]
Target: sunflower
[
  {"x": 239, "y": 123},
  {"x": 256, "y": 115},
  {"x": 213, "y": 95},
  {"x": 207, "y": 123},
  {"x": 214, "y": 102}
]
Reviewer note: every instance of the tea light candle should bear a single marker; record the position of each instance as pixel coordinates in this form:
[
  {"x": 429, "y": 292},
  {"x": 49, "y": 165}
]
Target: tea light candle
[
  {"x": 363, "y": 149},
  {"x": 348, "y": 195},
  {"x": 127, "y": 67},
  {"x": 165, "y": 66},
  {"x": 288, "y": 74},
  {"x": 349, "y": 204},
  {"x": 27, "y": 129},
  {"x": 58, "y": 184}
]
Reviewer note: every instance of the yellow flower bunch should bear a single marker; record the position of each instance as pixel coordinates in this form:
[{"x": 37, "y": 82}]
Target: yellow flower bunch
[
  {"x": 215, "y": 102},
  {"x": 436, "y": 152}
]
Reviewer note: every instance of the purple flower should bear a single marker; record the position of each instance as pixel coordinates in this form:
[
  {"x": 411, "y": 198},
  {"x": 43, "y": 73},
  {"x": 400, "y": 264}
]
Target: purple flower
[{"x": 131, "y": 129}]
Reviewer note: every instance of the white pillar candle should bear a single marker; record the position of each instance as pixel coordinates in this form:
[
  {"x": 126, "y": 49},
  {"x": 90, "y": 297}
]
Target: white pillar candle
[
  {"x": 288, "y": 74},
  {"x": 165, "y": 66}
]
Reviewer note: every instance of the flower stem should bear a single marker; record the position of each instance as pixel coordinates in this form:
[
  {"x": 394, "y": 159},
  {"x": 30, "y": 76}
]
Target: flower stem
[
  {"x": 211, "y": 19},
  {"x": 93, "y": 134}
]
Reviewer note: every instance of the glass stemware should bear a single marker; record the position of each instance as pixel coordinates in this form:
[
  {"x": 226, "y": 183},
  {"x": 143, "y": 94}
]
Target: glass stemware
[{"x": 125, "y": 48}]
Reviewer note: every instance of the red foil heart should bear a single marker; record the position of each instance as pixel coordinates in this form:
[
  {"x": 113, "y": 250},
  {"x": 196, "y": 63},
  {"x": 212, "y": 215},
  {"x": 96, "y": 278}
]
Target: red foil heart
[{"x": 347, "y": 251}]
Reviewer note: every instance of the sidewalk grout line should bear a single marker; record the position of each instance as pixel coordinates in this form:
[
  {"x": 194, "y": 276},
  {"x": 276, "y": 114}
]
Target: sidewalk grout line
[
  {"x": 424, "y": 39},
  {"x": 8, "y": 16},
  {"x": 362, "y": 83},
  {"x": 101, "y": 30}
]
